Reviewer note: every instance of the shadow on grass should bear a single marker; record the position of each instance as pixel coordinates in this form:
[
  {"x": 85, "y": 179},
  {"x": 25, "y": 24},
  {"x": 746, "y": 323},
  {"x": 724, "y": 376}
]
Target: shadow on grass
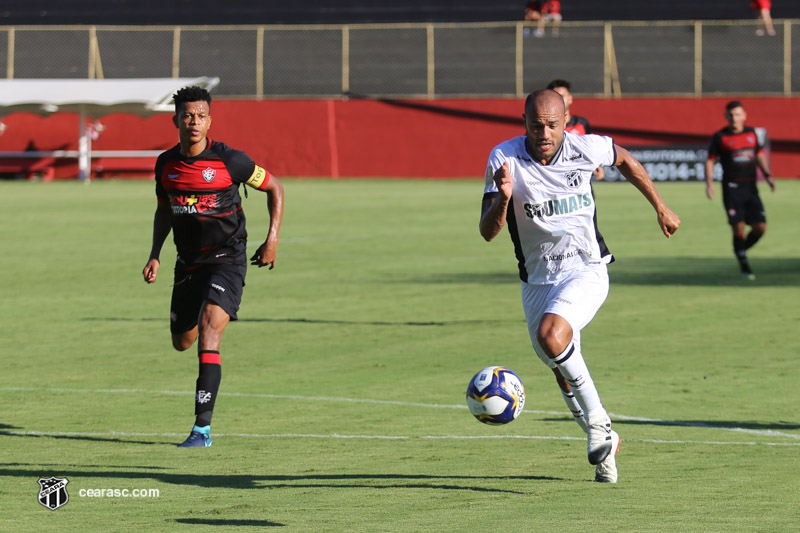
[
  {"x": 318, "y": 481},
  {"x": 318, "y": 321},
  {"x": 226, "y": 522},
  {"x": 704, "y": 271},
  {"x": 90, "y": 438},
  {"x": 707, "y": 424},
  {"x": 716, "y": 424},
  {"x": 681, "y": 271}
]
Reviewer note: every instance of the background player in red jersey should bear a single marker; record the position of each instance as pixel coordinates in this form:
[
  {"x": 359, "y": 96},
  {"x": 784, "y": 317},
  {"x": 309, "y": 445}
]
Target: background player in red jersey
[
  {"x": 739, "y": 150},
  {"x": 197, "y": 187},
  {"x": 575, "y": 124}
]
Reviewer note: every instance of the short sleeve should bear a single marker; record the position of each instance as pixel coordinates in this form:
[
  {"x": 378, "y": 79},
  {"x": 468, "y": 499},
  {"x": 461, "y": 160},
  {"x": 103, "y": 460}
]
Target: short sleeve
[
  {"x": 239, "y": 164},
  {"x": 496, "y": 160},
  {"x": 713, "y": 148}
]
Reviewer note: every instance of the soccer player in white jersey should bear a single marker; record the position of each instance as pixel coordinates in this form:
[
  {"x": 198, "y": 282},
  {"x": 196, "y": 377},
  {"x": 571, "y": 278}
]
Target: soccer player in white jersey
[{"x": 539, "y": 185}]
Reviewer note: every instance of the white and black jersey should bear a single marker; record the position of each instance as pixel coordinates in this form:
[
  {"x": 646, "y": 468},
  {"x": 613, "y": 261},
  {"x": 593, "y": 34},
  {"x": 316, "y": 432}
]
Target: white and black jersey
[{"x": 552, "y": 215}]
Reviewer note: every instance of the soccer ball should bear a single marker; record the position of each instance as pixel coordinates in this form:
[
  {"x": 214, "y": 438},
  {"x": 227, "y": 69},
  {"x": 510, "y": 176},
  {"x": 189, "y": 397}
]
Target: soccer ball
[{"x": 496, "y": 395}]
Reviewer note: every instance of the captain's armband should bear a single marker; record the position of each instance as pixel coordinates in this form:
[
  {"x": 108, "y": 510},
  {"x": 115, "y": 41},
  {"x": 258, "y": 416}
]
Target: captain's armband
[{"x": 258, "y": 179}]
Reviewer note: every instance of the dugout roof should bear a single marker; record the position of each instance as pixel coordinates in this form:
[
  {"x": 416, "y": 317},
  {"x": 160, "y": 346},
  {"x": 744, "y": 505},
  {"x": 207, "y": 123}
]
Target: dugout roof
[{"x": 94, "y": 98}]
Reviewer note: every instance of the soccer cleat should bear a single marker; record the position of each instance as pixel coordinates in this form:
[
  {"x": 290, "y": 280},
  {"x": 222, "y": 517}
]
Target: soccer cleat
[
  {"x": 199, "y": 438},
  {"x": 748, "y": 276},
  {"x": 606, "y": 472},
  {"x": 600, "y": 440}
]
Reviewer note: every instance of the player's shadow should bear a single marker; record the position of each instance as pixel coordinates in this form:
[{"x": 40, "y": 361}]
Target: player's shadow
[
  {"x": 627, "y": 270},
  {"x": 226, "y": 522},
  {"x": 715, "y": 424},
  {"x": 8, "y": 431},
  {"x": 705, "y": 424},
  {"x": 472, "y": 483},
  {"x": 704, "y": 271},
  {"x": 315, "y": 321}
]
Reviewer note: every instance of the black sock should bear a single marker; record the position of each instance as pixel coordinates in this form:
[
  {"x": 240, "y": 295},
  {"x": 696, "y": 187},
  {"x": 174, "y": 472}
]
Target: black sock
[
  {"x": 740, "y": 249},
  {"x": 207, "y": 386},
  {"x": 752, "y": 238}
]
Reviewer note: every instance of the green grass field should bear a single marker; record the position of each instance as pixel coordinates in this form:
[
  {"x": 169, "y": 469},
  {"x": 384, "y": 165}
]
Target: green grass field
[{"x": 342, "y": 403}]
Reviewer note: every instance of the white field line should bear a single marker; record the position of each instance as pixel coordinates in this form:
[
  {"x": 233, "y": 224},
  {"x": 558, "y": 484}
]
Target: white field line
[{"x": 766, "y": 433}]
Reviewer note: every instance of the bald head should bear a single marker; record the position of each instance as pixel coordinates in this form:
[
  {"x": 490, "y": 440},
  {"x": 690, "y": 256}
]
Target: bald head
[
  {"x": 543, "y": 98},
  {"x": 545, "y": 119}
]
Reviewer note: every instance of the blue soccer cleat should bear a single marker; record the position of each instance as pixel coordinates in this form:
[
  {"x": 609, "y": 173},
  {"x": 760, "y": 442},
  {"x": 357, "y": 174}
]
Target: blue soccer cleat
[{"x": 199, "y": 438}]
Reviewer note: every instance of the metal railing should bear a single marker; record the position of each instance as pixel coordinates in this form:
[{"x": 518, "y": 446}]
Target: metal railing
[{"x": 498, "y": 59}]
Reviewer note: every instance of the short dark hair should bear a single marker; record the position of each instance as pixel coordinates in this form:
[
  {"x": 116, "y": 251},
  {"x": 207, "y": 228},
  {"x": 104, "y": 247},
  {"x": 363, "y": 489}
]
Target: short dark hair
[
  {"x": 191, "y": 94},
  {"x": 733, "y": 104},
  {"x": 558, "y": 82}
]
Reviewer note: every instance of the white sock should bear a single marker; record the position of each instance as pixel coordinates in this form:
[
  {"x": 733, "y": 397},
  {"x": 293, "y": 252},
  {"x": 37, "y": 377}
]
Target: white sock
[
  {"x": 572, "y": 366},
  {"x": 575, "y": 408}
]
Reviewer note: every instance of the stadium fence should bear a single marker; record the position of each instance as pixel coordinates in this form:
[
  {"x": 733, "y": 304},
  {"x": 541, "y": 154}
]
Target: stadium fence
[{"x": 442, "y": 60}]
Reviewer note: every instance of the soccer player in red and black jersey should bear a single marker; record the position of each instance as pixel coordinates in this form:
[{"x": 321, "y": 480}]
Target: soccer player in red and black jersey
[
  {"x": 739, "y": 150},
  {"x": 575, "y": 124},
  {"x": 197, "y": 188}
]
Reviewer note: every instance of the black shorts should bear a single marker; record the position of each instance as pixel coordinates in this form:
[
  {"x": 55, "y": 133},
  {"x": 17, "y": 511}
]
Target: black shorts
[
  {"x": 743, "y": 206},
  {"x": 221, "y": 284}
]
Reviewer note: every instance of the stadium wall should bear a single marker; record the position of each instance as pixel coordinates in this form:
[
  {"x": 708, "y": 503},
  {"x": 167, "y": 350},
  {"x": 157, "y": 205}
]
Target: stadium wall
[{"x": 374, "y": 138}]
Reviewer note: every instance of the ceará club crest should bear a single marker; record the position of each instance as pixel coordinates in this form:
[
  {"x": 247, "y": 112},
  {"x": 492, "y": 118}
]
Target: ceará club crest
[{"x": 574, "y": 179}]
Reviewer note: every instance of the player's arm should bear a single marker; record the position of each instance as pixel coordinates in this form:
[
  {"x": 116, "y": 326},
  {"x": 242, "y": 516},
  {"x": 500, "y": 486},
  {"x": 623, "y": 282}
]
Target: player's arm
[
  {"x": 494, "y": 207},
  {"x": 162, "y": 224},
  {"x": 761, "y": 160},
  {"x": 710, "y": 162},
  {"x": 264, "y": 181},
  {"x": 635, "y": 173}
]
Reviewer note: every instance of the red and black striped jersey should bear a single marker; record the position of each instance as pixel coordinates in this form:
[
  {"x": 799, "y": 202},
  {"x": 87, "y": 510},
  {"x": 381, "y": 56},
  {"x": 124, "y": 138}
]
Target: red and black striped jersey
[
  {"x": 736, "y": 152},
  {"x": 208, "y": 223}
]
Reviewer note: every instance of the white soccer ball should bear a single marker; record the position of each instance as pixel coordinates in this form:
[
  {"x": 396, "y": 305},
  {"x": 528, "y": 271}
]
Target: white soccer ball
[{"x": 496, "y": 395}]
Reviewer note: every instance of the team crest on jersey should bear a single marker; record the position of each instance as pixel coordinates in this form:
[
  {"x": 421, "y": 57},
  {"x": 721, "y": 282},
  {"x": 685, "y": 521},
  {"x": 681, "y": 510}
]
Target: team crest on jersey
[
  {"x": 574, "y": 179},
  {"x": 209, "y": 173}
]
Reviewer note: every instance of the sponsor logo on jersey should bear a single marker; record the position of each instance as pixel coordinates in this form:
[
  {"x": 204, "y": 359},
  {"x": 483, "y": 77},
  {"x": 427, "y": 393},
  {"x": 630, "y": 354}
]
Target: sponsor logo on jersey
[
  {"x": 194, "y": 204},
  {"x": 173, "y": 176},
  {"x": 561, "y": 257},
  {"x": 576, "y": 156},
  {"x": 558, "y": 206},
  {"x": 209, "y": 173}
]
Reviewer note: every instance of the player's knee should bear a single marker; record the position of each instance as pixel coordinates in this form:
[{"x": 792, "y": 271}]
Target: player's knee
[
  {"x": 554, "y": 340},
  {"x": 183, "y": 342}
]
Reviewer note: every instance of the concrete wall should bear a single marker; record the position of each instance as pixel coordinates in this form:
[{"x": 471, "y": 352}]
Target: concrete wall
[{"x": 421, "y": 139}]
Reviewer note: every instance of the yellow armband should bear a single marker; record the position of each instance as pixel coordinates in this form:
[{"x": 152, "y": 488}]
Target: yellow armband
[{"x": 258, "y": 179}]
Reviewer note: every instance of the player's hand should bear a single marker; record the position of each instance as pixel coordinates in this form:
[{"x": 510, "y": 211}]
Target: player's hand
[
  {"x": 710, "y": 191},
  {"x": 669, "y": 221},
  {"x": 771, "y": 183},
  {"x": 504, "y": 181},
  {"x": 265, "y": 255},
  {"x": 151, "y": 270}
]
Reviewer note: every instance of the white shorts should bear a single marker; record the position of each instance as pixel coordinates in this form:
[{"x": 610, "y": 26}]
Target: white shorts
[{"x": 576, "y": 298}]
